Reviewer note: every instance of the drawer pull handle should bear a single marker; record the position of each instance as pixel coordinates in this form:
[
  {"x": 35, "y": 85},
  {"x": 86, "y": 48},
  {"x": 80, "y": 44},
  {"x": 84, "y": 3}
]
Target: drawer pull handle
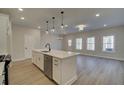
[
  {"x": 56, "y": 64},
  {"x": 56, "y": 60}
]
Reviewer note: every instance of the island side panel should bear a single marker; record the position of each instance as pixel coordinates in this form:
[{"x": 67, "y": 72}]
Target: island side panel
[
  {"x": 57, "y": 70},
  {"x": 69, "y": 70}
]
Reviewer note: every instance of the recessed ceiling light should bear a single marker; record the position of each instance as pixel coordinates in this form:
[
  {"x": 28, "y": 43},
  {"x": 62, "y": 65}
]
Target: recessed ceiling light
[
  {"x": 97, "y": 15},
  {"x": 105, "y": 25},
  {"x": 20, "y": 9},
  {"x": 22, "y": 18}
]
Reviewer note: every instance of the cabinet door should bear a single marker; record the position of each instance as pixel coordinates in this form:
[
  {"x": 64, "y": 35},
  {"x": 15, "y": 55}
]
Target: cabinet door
[
  {"x": 40, "y": 61},
  {"x": 41, "y": 57},
  {"x": 33, "y": 57},
  {"x": 57, "y": 70},
  {"x": 1, "y": 79}
]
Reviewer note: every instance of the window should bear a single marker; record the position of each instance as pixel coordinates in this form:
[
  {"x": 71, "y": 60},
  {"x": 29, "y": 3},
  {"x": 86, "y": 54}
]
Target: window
[
  {"x": 91, "y": 43},
  {"x": 108, "y": 43},
  {"x": 79, "y": 43},
  {"x": 69, "y": 43}
]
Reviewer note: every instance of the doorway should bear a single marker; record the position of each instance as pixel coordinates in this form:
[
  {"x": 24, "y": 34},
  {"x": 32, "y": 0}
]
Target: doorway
[{"x": 28, "y": 46}]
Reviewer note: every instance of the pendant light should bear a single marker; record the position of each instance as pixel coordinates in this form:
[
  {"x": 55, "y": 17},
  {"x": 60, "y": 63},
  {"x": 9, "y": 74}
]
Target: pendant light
[
  {"x": 53, "y": 29},
  {"x": 62, "y": 25},
  {"x": 47, "y": 27}
]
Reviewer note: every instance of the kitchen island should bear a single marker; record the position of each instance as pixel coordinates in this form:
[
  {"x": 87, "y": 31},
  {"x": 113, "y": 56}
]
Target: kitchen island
[{"x": 58, "y": 65}]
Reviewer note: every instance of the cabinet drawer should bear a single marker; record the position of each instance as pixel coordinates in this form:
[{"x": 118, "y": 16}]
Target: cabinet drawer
[
  {"x": 1, "y": 79},
  {"x": 56, "y": 60}
]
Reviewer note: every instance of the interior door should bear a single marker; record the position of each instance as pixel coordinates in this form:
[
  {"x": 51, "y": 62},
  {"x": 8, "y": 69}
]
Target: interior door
[{"x": 28, "y": 46}]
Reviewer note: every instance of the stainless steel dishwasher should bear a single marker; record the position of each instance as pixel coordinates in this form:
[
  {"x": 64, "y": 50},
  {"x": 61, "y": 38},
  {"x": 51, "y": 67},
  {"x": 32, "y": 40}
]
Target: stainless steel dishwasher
[{"x": 48, "y": 66}]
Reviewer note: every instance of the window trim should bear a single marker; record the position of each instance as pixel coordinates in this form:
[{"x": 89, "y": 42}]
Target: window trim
[
  {"x": 91, "y": 43},
  {"x": 81, "y": 44},
  {"x": 68, "y": 43},
  {"x": 113, "y": 50}
]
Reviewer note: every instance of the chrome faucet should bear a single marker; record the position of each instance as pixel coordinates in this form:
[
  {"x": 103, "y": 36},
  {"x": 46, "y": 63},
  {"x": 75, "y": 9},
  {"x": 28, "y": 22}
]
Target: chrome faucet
[{"x": 48, "y": 45}]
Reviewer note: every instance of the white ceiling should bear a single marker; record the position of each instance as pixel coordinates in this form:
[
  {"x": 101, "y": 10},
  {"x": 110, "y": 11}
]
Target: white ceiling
[{"x": 72, "y": 17}]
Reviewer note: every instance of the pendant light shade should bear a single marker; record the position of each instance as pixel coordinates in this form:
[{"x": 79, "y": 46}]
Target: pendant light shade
[
  {"x": 53, "y": 28},
  {"x": 47, "y": 27},
  {"x": 62, "y": 24}
]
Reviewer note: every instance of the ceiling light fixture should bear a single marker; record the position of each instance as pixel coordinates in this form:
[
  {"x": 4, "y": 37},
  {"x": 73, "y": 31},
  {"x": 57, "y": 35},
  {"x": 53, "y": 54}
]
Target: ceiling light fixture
[
  {"x": 20, "y": 9},
  {"x": 47, "y": 27},
  {"x": 81, "y": 27},
  {"x": 97, "y": 15},
  {"x": 62, "y": 25},
  {"x": 53, "y": 29},
  {"x": 22, "y": 18}
]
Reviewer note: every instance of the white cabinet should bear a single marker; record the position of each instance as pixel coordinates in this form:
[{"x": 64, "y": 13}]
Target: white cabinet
[
  {"x": 38, "y": 60},
  {"x": 2, "y": 79},
  {"x": 64, "y": 70},
  {"x": 2, "y": 75},
  {"x": 56, "y": 70},
  {"x": 34, "y": 59}
]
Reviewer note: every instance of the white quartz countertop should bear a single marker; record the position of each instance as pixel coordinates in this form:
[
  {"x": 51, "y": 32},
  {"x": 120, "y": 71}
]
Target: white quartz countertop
[
  {"x": 57, "y": 53},
  {"x": 1, "y": 67}
]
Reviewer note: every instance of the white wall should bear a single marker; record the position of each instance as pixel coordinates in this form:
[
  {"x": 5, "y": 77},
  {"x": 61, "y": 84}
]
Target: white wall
[
  {"x": 4, "y": 21},
  {"x": 18, "y": 33},
  {"x": 53, "y": 39},
  {"x": 118, "y": 32},
  {"x": 9, "y": 39},
  {"x": 39, "y": 40}
]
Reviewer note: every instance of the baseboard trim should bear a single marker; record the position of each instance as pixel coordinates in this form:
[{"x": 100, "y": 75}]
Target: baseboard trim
[
  {"x": 119, "y": 59},
  {"x": 71, "y": 81},
  {"x": 15, "y": 60}
]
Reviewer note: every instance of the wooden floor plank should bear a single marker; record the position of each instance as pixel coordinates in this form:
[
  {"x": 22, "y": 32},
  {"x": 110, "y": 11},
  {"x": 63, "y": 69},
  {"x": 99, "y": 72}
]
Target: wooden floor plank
[{"x": 90, "y": 70}]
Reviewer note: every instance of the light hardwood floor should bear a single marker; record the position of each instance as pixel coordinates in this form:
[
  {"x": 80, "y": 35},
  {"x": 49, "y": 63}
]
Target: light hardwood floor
[
  {"x": 26, "y": 73},
  {"x": 90, "y": 70}
]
